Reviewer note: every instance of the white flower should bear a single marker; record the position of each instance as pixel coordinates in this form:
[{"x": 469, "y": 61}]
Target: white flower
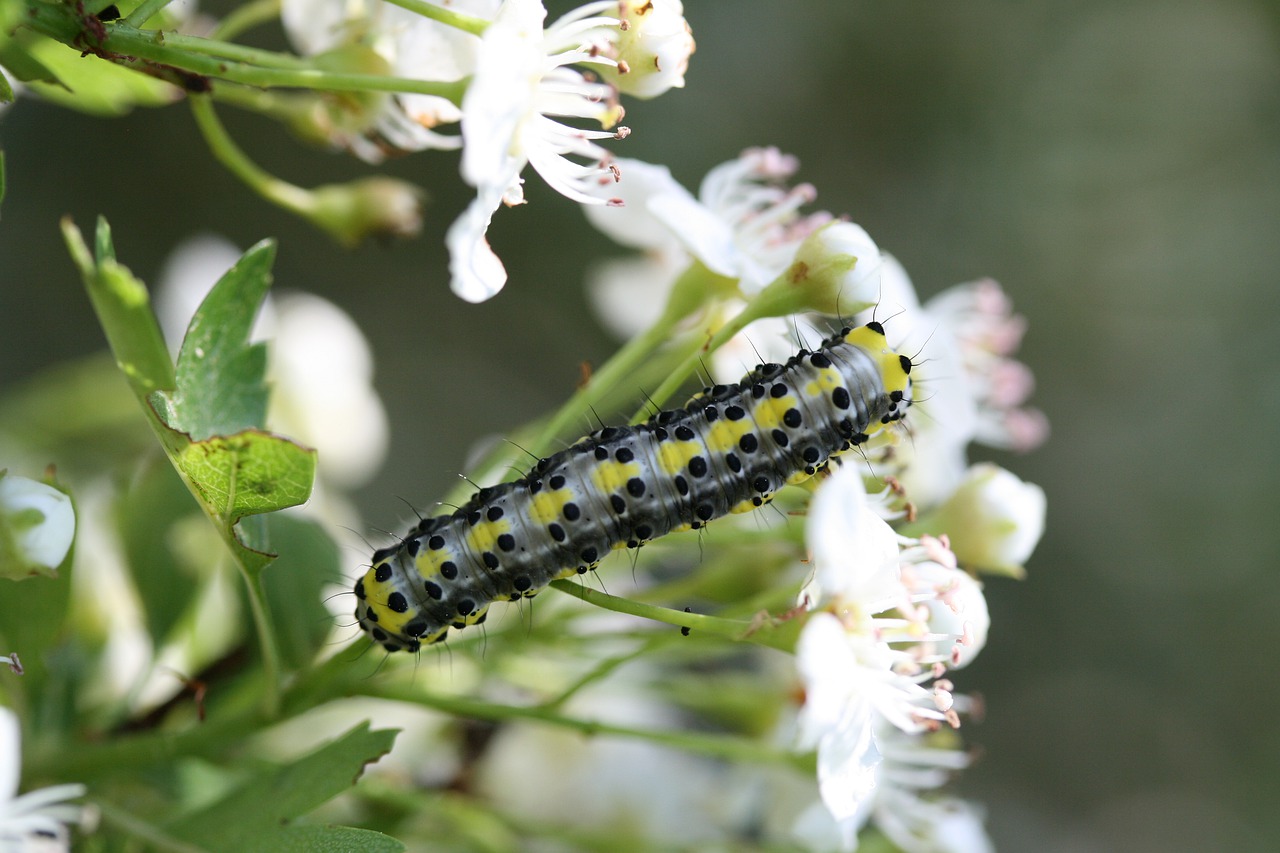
[
  {"x": 969, "y": 388},
  {"x": 994, "y": 520},
  {"x": 980, "y": 317},
  {"x": 745, "y": 225},
  {"x": 836, "y": 271},
  {"x": 638, "y": 791},
  {"x": 906, "y": 807},
  {"x": 889, "y": 621},
  {"x": 37, "y": 819},
  {"x": 653, "y": 47},
  {"x": 37, "y": 526},
  {"x": 523, "y": 77},
  {"x": 320, "y": 368},
  {"x": 957, "y": 618},
  {"x": 855, "y": 553},
  {"x": 408, "y": 45},
  {"x": 904, "y": 803}
]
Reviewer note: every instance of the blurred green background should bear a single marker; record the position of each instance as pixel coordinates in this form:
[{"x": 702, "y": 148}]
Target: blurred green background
[{"x": 1115, "y": 165}]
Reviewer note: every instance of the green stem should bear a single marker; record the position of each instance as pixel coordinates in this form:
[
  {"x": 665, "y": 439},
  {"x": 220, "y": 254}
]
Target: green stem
[
  {"x": 265, "y": 628},
  {"x": 776, "y": 634},
  {"x": 125, "y": 45},
  {"x": 694, "y": 360},
  {"x": 601, "y": 671},
  {"x": 466, "y": 23},
  {"x": 246, "y": 17},
  {"x": 146, "y": 9},
  {"x": 726, "y": 747},
  {"x": 290, "y": 197},
  {"x": 237, "y": 52},
  {"x": 141, "y": 830},
  {"x": 632, "y": 354},
  {"x": 692, "y": 291}
]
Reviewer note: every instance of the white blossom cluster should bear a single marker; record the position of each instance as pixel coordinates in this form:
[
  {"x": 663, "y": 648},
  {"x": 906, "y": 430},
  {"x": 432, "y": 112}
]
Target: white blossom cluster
[
  {"x": 891, "y": 614},
  {"x": 538, "y": 94}
]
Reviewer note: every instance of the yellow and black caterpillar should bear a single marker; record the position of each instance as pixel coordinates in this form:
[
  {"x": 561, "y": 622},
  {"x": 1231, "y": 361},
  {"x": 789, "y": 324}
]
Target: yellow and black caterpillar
[{"x": 728, "y": 450}]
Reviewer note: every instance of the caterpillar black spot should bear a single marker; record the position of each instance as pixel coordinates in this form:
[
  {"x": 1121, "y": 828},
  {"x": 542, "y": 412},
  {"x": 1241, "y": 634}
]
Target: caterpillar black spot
[{"x": 727, "y": 450}]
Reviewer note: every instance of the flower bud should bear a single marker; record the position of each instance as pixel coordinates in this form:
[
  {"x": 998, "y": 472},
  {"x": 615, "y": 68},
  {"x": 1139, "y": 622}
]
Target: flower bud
[
  {"x": 37, "y": 524},
  {"x": 994, "y": 520},
  {"x": 340, "y": 119},
  {"x": 835, "y": 271},
  {"x": 370, "y": 207},
  {"x": 653, "y": 48}
]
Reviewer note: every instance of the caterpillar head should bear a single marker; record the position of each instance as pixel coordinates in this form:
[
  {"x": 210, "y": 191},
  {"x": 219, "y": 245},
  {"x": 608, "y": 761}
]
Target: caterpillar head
[
  {"x": 385, "y": 612},
  {"x": 895, "y": 369}
]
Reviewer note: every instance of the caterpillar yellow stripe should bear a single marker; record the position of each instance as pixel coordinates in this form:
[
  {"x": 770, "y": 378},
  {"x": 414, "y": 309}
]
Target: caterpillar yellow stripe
[{"x": 727, "y": 450}]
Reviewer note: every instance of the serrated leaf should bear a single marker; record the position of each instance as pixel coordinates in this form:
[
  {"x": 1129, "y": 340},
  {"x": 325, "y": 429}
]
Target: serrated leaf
[
  {"x": 246, "y": 474},
  {"x": 220, "y": 386},
  {"x": 272, "y": 800},
  {"x": 234, "y": 468},
  {"x": 123, "y": 307}
]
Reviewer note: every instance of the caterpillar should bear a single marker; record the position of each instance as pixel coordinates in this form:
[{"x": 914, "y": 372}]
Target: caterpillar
[{"x": 726, "y": 451}]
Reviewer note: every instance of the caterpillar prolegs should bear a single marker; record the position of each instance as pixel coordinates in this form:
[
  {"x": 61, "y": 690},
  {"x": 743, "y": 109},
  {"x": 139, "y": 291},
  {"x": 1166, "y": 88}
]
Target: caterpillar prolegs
[{"x": 727, "y": 450}]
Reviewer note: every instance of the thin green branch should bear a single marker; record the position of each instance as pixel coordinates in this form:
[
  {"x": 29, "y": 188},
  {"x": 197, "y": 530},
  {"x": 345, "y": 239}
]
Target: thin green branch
[
  {"x": 728, "y": 747},
  {"x": 695, "y": 359},
  {"x": 246, "y": 17},
  {"x": 772, "y": 632},
  {"x": 599, "y": 672},
  {"x": 236, "y": 52},
  {"x": 265, "y": 628},
  {"x": 137, "y": 828},
  {"x": 145, "y": 11},
  {"x": 275, "y": 190},
  {"x": 466, "y": 23},
  {"x": 692, "y": 291},
  {"x": 149, "y": 51}
]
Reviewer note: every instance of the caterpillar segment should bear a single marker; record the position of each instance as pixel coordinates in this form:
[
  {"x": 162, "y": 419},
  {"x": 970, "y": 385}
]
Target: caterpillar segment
[{"x": 729, "y": 449}]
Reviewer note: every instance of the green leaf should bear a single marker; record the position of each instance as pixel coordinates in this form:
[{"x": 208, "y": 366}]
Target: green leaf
[
  {"x": 86, "y": 83},
  {"x": 220, "y": 377},
  {"x": 6, "y": 91},
  {"x": 260, "y": 814},
  {"x": 308, "y": 560},
  {"x": 233, "y": 467},
  {"x": 246, "y": 474},
  {"x": 322, "y": 839},
  {"x": 16, "y": 57},
  {"x": 123, "y": 307},
  {"x": 146, "y": 514}
]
